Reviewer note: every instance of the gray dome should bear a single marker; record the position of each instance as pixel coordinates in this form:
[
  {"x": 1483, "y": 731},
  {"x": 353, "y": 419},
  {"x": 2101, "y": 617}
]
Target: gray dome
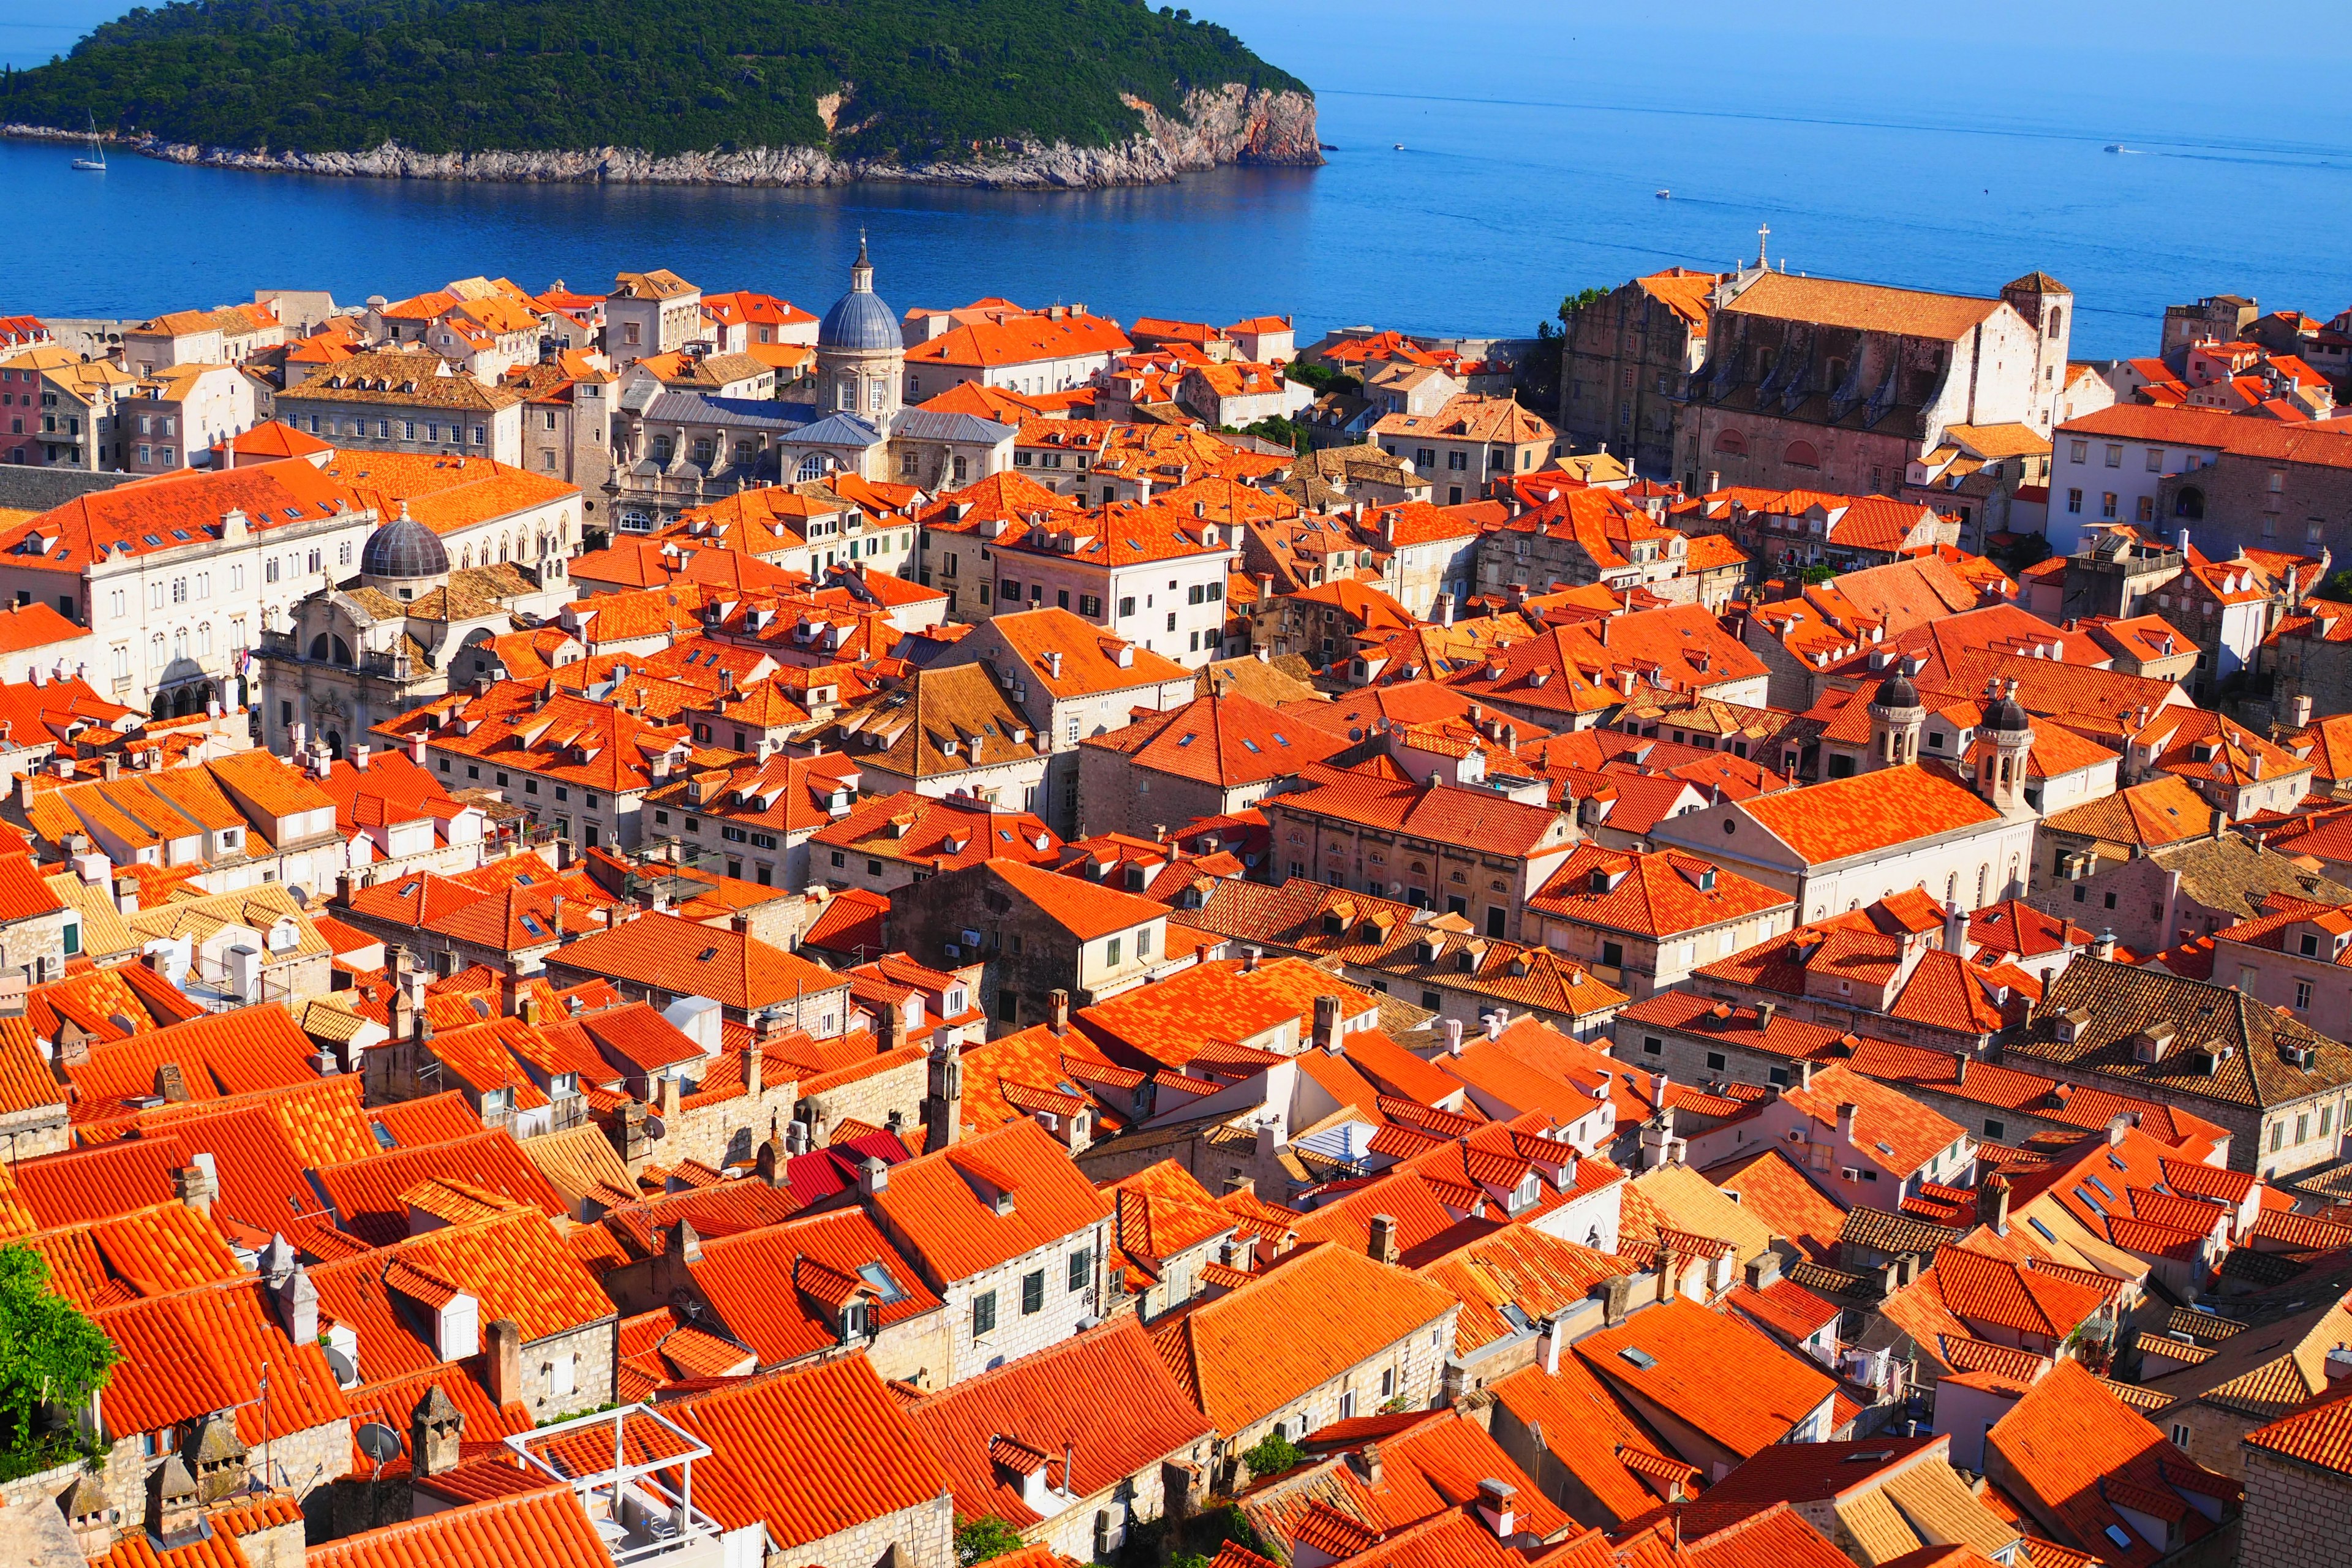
[
  {"x": 2006, "y": 716},
  {"x": 403, "y": 548},
  {"x": 1896, "y": 692},
  {"x": 859, "y": 322}
]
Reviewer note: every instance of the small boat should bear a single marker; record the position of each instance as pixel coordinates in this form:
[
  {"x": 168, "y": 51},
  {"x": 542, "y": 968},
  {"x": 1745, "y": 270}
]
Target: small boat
[
  {"x": 1665, "y": 195},
  {"x": 1400, "y": 146},
  {"x": 2117, "y": 147},
  {"x": 96, "y": 161}
]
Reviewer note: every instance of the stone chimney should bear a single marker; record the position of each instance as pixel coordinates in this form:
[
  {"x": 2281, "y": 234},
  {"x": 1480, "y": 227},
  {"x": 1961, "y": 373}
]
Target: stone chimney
[
  {"x": 175, "y": 1515},
  {"x": 1452, "y": 1031},
  {"x": 296, "y": 1300},
  {"x": 1959, "y": 1068},
  {"x": 90, "y": 1514},
  {"x": 943, "y": 1101},
  {"x": 1846, "y": 1115},
  {"x": 436, "y": 1432},
  {"x": 502, "y": 1363},
  {"x": 1057, "y": 1011},
  {"x": 873, "y": 1177},
  {"x": 1327, "y": 1024},
  {"x": 1992, "y": 1203},
  {"x": 171, "y": 1084},
  {"x": 2104, "y": 947},
  {"x": 196, "y": 1185},
  {"x": 1383, "y": 1243},
  {"x": 1615, "y": 1295},
  {"x": 629, "y": 1136},
  {"x": 1763, "y": 1271}
]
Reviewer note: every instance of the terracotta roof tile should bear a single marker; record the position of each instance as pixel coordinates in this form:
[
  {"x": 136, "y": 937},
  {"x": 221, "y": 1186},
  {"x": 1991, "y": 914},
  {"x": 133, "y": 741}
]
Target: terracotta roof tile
[
  {"x": 1725, "y": 1378},
  {"x": 1325, "y": 1309},
  {"x": 810, "y": 1453},
  {"x": 540, "y": 1529},
  {"x": 934, "y": 1204}
]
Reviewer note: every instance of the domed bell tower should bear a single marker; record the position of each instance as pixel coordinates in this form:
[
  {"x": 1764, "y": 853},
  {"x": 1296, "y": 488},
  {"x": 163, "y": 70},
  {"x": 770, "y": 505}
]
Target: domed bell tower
[
  {"x": 2005, "y": 745},
  {"x": 1896, "y": 719},
  {"x": 861, "y": 357}
]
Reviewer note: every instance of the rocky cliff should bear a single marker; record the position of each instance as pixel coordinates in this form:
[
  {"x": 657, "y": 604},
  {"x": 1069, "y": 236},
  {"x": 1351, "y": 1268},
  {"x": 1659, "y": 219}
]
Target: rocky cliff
[{"x": 1227, "y": 124}]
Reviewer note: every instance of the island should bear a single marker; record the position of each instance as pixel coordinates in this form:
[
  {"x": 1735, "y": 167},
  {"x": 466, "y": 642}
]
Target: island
[{"x": 779, "y": 92}]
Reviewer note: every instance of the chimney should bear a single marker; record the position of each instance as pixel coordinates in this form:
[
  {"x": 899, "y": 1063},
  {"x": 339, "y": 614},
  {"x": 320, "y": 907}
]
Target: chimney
[
  {"x": 669, "y": 1103},
  {"x": 2116, "y": 1127},
  {"x": 1992, "y": 1203},
  {"x": 1548, "y": 1343},
  {"x": 2104, "y": 947},
  {"x": 1249, "y": 961},
  {"x": 1383, "y": 1243},
  {"x": 436, "y": 1433},
  {"x": 1495, "y": 1507},
  {"x": 2339, "y": 1365},
  {"x": 296, "y": 1303},
  {"x": 89, "y": 1513},
  {"x": 1763, "y": 1271},
  {"x": 1845, "y": 1123},
  {"x": 1452, "y": 1032},
  {"x": 1960, "y": 1069},
  {"x": 1057, "y": 1015},
  {"x": 360, "y": 757},
  {"x": 1956, "y": 932},
  {"x": 175, "y": 1515},
  {"x": 1327, "y": 1024},
  {"x": 194, "y": 1184},
  {"x": 873, "y": 1177},
  {"x": 1805, "y": 1073},
  {"x": 1616, "y": 1294},
  {"x": 2221, "y": 821},
  {"x": 502, "y": 1363}
]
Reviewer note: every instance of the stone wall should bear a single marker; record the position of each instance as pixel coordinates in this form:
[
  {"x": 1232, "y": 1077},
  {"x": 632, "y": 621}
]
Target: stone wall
[
  {"x": 925, "y": 1537},
  {"x": 720, "y": 1133},
  {"x": 870, "y": 1094},
  {"x": 2297, "y": 1515},
  {"x": 593, "y": 1350},
  {"x": 1016, "y": 1333}
]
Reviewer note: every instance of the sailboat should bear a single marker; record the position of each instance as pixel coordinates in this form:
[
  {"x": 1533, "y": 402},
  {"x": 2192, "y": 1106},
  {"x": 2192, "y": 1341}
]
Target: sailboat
[{"x": 96, "y": 161}]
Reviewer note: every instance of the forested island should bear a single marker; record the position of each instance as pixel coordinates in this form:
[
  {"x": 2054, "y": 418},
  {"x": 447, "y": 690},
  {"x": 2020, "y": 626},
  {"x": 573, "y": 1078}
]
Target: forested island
[{"x": 775, "y": 91}]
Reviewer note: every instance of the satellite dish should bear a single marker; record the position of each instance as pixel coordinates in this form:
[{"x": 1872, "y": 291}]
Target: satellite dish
[
  {"x": 346, "y": 1374},
  {"x": 654, "y": 1128},
  {"x": 378, "y": 1441}
]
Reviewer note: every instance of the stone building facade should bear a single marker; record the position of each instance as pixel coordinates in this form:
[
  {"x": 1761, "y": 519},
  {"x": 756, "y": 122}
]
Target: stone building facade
[
  {"x": 2298, "y": 1512},
  {"x": 1816, "y": 384},
  {"x": 1624, "y": 361}
]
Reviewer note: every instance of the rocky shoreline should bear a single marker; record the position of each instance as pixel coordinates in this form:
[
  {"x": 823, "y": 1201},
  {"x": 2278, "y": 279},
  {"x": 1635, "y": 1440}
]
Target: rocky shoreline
[{"x": 1221, "y": 125}]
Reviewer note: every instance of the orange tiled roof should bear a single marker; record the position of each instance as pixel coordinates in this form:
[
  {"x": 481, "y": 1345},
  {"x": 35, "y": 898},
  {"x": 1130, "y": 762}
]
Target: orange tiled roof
[
  {"x": 687, "y": 959},
  {"x": 809, "y": 1453},
  {"x": 1101, "y": 1398},
  {"x": 934, "y": 1204},
  {"x": 1326, "y": 1309},
  {"x": 1725, "y": 1378},
  {"x": 545, "y": 1529},
  {"x": 780, "y": 1288}
]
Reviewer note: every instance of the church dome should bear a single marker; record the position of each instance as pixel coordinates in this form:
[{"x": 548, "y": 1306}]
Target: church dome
[
  {"x": 1896, "y": 692},
  {"x": 2008, "y": 718},
  {"x": 859, "y": 322},
  {"x": 403, "y": 548}
]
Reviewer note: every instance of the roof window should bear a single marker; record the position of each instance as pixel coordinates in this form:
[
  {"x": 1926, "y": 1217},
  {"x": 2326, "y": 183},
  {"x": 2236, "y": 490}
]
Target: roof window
[{"x": 1640, "y": 1358}]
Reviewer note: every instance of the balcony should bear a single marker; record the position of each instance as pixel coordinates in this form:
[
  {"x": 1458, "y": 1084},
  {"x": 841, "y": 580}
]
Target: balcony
[{"x": 632, "y": 1471}]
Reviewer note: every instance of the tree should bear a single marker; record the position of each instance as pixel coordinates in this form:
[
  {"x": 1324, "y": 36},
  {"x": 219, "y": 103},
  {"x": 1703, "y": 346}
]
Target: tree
[
  {"x": 2336, "y": 590},
  {"x": 978, "y": 1540},
  {"x": 1272, "y": 1455},
  {"x": 1819, "y": 571},
  {"x": 50, "y": 1354},
  {"x": 1579, "y": 299}
]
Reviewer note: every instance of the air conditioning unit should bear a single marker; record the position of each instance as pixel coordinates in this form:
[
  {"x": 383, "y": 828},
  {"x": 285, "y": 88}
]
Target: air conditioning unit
[
  {"x": 971, "y": 938},
  {"x": 952, "y": 950}
]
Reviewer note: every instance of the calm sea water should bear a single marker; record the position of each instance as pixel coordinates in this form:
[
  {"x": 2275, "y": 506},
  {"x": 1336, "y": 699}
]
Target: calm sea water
[{"x": 1532, "y": 153}]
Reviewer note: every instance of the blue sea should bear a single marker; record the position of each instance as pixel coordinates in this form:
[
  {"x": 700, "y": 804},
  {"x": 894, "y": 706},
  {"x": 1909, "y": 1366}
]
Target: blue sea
[{"x": 1492, "y": 155}]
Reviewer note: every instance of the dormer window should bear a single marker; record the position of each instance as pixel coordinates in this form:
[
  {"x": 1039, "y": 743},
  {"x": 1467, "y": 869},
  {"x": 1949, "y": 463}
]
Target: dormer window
[{"x": 2311, "y": 944}]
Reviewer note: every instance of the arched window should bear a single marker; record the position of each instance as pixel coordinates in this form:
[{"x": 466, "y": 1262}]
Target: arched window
[
  {"x": 811, "y": 466},
  {"x": 503, "y": 546},
  {"x": 1733, "y": 442},
  {"x": 2189, "y": 503},
  {"x": 331, "y": 649},
  {"x": 2057, "y": 319},
  {"x": 874, "y": 395},
  {"x": 1801, "y": 455}
]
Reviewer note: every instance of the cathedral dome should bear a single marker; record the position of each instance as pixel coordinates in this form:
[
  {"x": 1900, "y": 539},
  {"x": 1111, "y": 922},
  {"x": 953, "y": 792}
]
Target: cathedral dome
[
  {"x": 859, "y": 322},
  {"x": 403, "y": 549}
]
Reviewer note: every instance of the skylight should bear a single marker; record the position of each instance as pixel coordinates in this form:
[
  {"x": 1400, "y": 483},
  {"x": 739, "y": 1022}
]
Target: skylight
[
  {"x": 2105, "y": 1190},
  {"x": 1640, "y": 1358},
  {"x": 878, "y": 1276},
  {"x": 531, "y": 925}
]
